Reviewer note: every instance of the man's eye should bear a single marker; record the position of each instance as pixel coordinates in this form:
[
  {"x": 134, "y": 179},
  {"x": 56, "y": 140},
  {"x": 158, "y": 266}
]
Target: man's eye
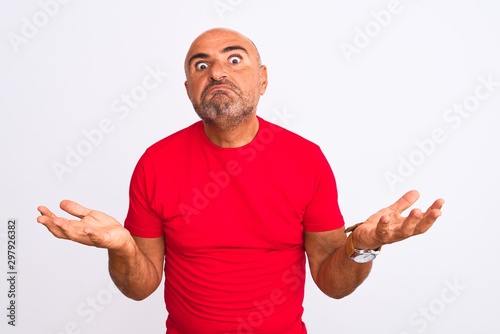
[
  {"x": 235, "y": 60},
  {"x": 201, "y": 66}
]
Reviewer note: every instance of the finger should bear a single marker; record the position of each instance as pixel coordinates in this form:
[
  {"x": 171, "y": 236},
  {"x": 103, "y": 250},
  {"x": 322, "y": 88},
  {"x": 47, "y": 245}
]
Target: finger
[
  {"x": 47, "y": 218},
  {"x": 44, "y": 211},
  {"x": 56, "y": 225},
  {"x": 405, "y": 201},
  {"x": 74, "y": 209},
  {"x": 428, "y": 220},
  {"x": 409, "y": 226},
  {"x": 53, "y": 224},
  {"x": 75, "y": 230},
  {"x": 384, "y": 229},
  {"x": 436, "y": 207},
  {"x": 63, "y": 227},
  {"x": 431, "y": 215},
  {"x": 70, "y": 229}
]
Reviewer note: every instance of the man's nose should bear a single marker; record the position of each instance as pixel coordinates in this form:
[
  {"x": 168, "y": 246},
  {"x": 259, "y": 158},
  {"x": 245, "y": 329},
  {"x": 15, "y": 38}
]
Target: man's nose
[{"x": 218, "y": 70}]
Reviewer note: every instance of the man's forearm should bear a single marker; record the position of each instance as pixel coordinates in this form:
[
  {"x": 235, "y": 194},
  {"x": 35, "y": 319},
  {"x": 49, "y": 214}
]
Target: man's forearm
[
  {"x": 132, "y": 272},
  {"x": 338, "y": 275}
]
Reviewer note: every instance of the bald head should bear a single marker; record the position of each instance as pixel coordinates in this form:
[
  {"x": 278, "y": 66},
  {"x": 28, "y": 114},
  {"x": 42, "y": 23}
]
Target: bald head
[{"x": 220, "y": 36}]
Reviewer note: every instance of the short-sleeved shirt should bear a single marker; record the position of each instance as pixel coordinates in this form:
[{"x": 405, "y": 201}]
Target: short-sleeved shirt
[{"x": 233, "y": 220}]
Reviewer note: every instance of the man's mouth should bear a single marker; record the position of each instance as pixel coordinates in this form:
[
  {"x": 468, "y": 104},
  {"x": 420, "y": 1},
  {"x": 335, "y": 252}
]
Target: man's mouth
[{"x": 218, "y": 89}]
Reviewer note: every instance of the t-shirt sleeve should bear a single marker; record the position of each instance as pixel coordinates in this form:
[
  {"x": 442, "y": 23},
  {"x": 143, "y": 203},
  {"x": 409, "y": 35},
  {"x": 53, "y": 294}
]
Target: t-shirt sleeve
[
  {"x": 323, "y": 212},
  {"x": 142, "y": 220}
]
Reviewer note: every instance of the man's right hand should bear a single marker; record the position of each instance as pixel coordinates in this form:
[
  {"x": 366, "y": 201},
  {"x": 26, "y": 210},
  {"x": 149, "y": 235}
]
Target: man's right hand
[{"x": 94, "y": 228}]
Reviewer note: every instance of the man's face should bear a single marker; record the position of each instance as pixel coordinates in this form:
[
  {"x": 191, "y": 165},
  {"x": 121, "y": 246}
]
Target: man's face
[{"x": 224, "y": 78}]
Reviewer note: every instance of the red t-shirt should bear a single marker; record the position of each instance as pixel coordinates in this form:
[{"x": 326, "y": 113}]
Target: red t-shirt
[{"x": 233, "y": 221}]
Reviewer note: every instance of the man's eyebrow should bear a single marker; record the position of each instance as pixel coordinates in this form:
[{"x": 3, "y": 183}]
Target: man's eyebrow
[
  {"x": 200, "y": 55},
  {"x": 234, "y": 47}
]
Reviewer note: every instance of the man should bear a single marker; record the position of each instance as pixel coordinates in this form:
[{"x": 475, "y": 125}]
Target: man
[{"x": 229, "y": 207}]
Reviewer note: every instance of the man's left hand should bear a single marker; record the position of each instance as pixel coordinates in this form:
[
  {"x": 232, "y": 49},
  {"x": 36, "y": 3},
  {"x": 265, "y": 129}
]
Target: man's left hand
[{"x": 388, "y": 226}]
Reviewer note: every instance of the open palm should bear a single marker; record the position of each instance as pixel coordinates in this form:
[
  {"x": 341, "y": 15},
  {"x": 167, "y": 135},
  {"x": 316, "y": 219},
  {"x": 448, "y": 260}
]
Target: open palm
[
  {"x": 93, "y": 228},
  {"x": 388, "y": 225}
]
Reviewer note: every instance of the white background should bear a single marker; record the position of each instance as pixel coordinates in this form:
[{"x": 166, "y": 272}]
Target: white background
[{"x": 368, "y": 110}]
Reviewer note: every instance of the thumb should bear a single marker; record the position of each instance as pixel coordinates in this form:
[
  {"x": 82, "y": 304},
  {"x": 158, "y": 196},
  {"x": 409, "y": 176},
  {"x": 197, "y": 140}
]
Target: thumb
[{"x": 405, "y": 201}]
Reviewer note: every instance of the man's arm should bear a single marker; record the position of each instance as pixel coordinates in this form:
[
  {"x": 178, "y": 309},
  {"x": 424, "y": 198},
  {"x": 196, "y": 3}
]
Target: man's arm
[
  {"x": 135, "y": 264},
  {"x": 332, "y": 269},
  {"x": 137, "y": 270}
]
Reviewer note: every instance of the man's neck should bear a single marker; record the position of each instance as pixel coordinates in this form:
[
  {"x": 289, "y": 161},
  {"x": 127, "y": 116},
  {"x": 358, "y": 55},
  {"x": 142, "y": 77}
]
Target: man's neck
[{"x": 238, "y": 136}]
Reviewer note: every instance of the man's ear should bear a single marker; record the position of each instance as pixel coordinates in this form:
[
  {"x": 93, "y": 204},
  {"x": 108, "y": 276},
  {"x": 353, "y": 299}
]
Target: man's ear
[
  {"x": 186, "y": 85},
  {"x": 263, "y": 79}
]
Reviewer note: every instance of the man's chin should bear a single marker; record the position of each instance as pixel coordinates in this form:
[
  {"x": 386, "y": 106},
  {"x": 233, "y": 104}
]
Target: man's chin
[
  {"x": 224, "y": 120},
  {"x": 218, "y": 100}
]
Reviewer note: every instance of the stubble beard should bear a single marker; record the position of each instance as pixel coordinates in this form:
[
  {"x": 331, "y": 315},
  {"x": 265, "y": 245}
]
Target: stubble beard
[{"x": 225, "y": 111}]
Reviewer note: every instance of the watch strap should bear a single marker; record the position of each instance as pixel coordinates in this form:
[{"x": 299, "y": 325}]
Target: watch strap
[
  {"x": 351, "y": 251},
  {"x": 352, "y": 228}
]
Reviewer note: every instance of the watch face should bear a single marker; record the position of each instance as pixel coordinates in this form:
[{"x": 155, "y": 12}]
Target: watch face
[{"x": 364, "y": 257}]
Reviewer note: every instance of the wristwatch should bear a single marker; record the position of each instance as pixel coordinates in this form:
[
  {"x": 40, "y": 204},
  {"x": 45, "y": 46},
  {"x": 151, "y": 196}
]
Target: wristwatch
[{"x": 359, "y": 255}]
